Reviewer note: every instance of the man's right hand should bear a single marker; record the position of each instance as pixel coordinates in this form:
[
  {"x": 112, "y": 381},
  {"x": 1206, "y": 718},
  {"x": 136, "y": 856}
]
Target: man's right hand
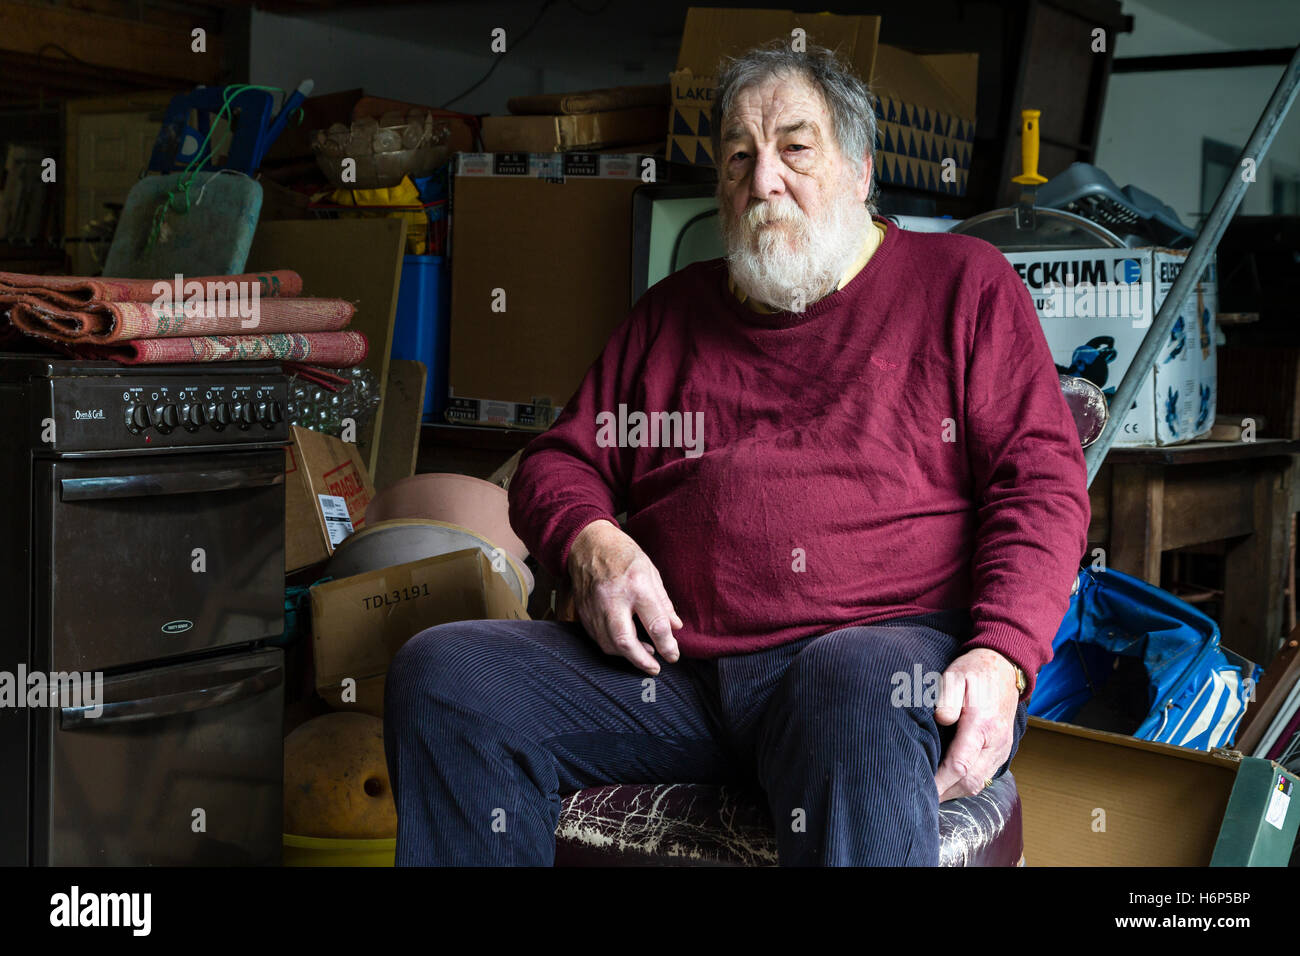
[{"x": 614, "y": 579}]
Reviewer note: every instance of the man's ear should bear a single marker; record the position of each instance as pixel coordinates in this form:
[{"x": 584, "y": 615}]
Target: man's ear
[{"x": 864, "y": 184}]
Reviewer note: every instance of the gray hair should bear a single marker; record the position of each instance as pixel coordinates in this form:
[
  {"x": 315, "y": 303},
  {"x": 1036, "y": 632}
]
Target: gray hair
[{"x": 849, "y": 102}]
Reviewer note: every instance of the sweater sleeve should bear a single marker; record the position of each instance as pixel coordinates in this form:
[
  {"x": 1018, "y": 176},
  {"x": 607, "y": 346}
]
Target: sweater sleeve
[
  {"x": 566, "y": 479},
  {"x": 1030, "y": 481}
]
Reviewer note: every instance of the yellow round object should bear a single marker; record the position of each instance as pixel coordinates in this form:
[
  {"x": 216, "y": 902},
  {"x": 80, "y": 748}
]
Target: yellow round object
[{"x": 336, "y": 780}]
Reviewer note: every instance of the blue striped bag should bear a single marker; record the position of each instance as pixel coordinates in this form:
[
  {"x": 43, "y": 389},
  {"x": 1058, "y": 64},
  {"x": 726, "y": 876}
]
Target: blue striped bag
[{"x": 1131, "y": 658}]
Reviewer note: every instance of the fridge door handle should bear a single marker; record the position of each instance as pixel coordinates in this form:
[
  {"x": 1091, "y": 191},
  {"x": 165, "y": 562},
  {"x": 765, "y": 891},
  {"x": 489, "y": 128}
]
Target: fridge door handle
[
  {"x": 171, "y": 482},
  {"x": 248, "y": 684}
]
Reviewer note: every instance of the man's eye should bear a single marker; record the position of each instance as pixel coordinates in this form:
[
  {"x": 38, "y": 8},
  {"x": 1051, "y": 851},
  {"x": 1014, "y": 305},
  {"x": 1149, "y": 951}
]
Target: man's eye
[
  {"x": 739, "y": 157},
  {"x": 796, "y": 146}
]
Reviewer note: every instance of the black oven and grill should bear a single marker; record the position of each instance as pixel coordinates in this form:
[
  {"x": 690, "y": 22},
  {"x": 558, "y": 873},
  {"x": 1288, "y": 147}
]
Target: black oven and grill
[{"x": 141, "y": 545}]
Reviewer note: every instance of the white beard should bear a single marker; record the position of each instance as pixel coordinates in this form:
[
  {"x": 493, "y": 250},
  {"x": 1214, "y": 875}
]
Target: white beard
[{"x": 791, "y": 266}]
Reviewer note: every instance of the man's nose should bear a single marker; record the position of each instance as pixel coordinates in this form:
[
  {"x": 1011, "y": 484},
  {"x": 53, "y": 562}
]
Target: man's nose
[{"x": 767, "y": 180}]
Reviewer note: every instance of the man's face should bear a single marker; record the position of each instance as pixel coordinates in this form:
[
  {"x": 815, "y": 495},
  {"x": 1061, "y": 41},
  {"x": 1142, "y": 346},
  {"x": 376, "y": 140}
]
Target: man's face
[{"x": 792, "y": 205}]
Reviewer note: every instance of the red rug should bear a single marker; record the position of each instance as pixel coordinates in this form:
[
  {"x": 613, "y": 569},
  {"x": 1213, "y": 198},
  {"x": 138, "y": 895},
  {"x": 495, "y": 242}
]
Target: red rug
[
  {"x": 110, "y": 322},
  {"x": 330, "y": 349},
  {"x": 76, "y": 291}
]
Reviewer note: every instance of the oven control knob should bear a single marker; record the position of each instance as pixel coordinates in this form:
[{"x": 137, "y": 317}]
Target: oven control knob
[
  {"x": 244, "y": 414},
  {"x": 165, "y": 418},
  {"x": 275, "y": 414},
  {"x": 192, "y": 416},
  {"x": 218, "y": 415},
  {"x": 137, "y": 418}
]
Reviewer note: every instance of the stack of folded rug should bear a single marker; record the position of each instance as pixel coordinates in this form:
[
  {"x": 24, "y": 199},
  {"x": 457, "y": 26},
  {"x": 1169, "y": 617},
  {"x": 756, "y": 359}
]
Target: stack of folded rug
[{"x": 209, "y": 319}]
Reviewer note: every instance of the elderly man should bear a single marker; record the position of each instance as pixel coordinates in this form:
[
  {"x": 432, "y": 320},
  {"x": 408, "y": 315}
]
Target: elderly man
[{"x": 840, "y": 589}]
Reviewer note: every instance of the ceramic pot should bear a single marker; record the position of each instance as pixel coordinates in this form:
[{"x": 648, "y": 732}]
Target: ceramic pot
[{"x": 458, "y": 499}]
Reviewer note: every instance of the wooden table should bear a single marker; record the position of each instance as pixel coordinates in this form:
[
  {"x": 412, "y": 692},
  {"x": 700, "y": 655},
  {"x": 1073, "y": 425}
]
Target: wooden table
[{"x": 1146, "y": 501}]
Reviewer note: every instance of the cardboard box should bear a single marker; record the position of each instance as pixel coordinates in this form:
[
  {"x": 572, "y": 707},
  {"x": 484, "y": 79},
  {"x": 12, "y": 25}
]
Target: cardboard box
[
  {"x": 326, "y": 490},
  {"x": 710, "y": 34},
  {"x": 557, "y": 133},
  {"x": 925, "y": 108},
  {"x": 1091, "y": 798},
  {"x": 925, "y": 115},
  {"x": 1097, "y": 317},
  {"x": 591, "y": 101},
  {"x": 358, "y": 623},
  {"x": 541, "y": 268}
]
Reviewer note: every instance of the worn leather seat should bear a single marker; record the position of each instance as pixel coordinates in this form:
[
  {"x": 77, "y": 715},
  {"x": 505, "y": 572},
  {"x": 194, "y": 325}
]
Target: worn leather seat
[{"x": 688, "y": 824}]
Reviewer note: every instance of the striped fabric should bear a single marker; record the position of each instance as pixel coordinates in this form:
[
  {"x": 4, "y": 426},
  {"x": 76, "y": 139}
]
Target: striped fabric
[{"x": 1206, "y": 713}]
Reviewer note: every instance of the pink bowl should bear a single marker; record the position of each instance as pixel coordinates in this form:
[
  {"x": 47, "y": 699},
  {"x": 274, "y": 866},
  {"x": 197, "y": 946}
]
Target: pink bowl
[{"x": 472, "y": 503}]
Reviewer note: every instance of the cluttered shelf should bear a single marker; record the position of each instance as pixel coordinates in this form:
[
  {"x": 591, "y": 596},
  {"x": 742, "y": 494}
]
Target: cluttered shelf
[{"x": 473, "y": 450}]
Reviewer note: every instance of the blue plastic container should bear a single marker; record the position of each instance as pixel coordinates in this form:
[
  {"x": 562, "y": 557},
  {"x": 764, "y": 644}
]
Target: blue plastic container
[{"x": 421, "y": 330}]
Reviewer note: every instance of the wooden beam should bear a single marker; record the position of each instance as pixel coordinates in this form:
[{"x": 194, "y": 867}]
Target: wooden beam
[
  {"x": 1137, "y": 494},
  {"x": 1215, "y": 60},
  {"x": 107, "y": 42},
  {"x": 1251, "y": 623},
  {"x": 175, "y": 16}
]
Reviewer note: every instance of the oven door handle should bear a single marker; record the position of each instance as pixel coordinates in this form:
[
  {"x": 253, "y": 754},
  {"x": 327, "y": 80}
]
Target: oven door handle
[
  {"x": 168, "y": 705},
  {"x": 171, "y": 482}
]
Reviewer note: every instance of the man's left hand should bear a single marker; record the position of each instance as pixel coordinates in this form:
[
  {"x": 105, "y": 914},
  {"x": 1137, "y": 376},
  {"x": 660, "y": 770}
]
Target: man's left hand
[{"x": 978, "y": 693}]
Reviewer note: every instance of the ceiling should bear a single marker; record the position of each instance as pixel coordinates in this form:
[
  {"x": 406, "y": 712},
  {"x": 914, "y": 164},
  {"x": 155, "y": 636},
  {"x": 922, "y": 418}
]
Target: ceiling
[
  {"x": 564, "y": 30},
  {"x": 1222, "y": 24}
]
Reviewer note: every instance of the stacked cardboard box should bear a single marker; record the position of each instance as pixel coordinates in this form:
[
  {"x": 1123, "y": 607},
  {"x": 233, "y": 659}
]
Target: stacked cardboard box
[
  {"x": 589, "y": 120},
  {"x": 541, "y": 260}
]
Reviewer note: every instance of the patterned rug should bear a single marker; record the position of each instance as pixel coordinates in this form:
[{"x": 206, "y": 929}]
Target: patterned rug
[
  {"x": 110, "y": 322},
  {"x": 201, "y": 319},
  {"x": 76, "y": 291},
  {"x": 330, "y": 349}
]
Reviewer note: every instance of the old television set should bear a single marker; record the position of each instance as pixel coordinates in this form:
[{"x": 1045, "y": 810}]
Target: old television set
[{"x": 673, "y": 225}]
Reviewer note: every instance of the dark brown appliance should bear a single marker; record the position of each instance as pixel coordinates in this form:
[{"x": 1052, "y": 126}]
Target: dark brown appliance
[{"x": 142, "y": 539}]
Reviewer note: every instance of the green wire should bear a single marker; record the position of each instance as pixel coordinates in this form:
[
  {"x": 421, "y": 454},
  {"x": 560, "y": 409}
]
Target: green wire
[{"x": 201, "y": 157}]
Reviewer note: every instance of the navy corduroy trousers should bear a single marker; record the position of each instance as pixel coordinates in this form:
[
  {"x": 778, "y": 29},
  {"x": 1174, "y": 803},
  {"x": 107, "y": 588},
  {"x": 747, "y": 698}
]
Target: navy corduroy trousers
[{"x": 488, "y": 723}]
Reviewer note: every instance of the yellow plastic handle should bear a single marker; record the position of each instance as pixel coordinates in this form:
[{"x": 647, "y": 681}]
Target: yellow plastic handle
[{"x": 1029, "y": 150}]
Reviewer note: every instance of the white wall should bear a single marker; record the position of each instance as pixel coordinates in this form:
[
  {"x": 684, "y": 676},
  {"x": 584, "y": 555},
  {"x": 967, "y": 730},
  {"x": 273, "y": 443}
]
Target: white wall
[{"x": 1154, "y": 123}]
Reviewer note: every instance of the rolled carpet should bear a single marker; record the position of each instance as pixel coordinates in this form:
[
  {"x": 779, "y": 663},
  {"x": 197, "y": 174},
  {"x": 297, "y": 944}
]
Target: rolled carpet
[
  {"x": 330, "y": 349},
  {"x": 77, "y": 291},
  {"x": 109, "y": 322}
]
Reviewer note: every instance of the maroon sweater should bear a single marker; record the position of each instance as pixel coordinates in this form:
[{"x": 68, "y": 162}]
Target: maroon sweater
[{"x": 901, "y": 446}]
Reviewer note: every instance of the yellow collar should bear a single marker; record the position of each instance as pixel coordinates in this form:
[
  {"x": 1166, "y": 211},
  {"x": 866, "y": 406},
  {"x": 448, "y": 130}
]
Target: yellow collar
[{"x": 869, "y": 248}]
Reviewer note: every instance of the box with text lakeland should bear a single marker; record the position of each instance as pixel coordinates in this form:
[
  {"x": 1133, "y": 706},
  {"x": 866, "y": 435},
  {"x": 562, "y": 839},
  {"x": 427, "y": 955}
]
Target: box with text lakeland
[
  {"x": 1096, "y": 306},
  {"x": 541, "y": 250}
]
